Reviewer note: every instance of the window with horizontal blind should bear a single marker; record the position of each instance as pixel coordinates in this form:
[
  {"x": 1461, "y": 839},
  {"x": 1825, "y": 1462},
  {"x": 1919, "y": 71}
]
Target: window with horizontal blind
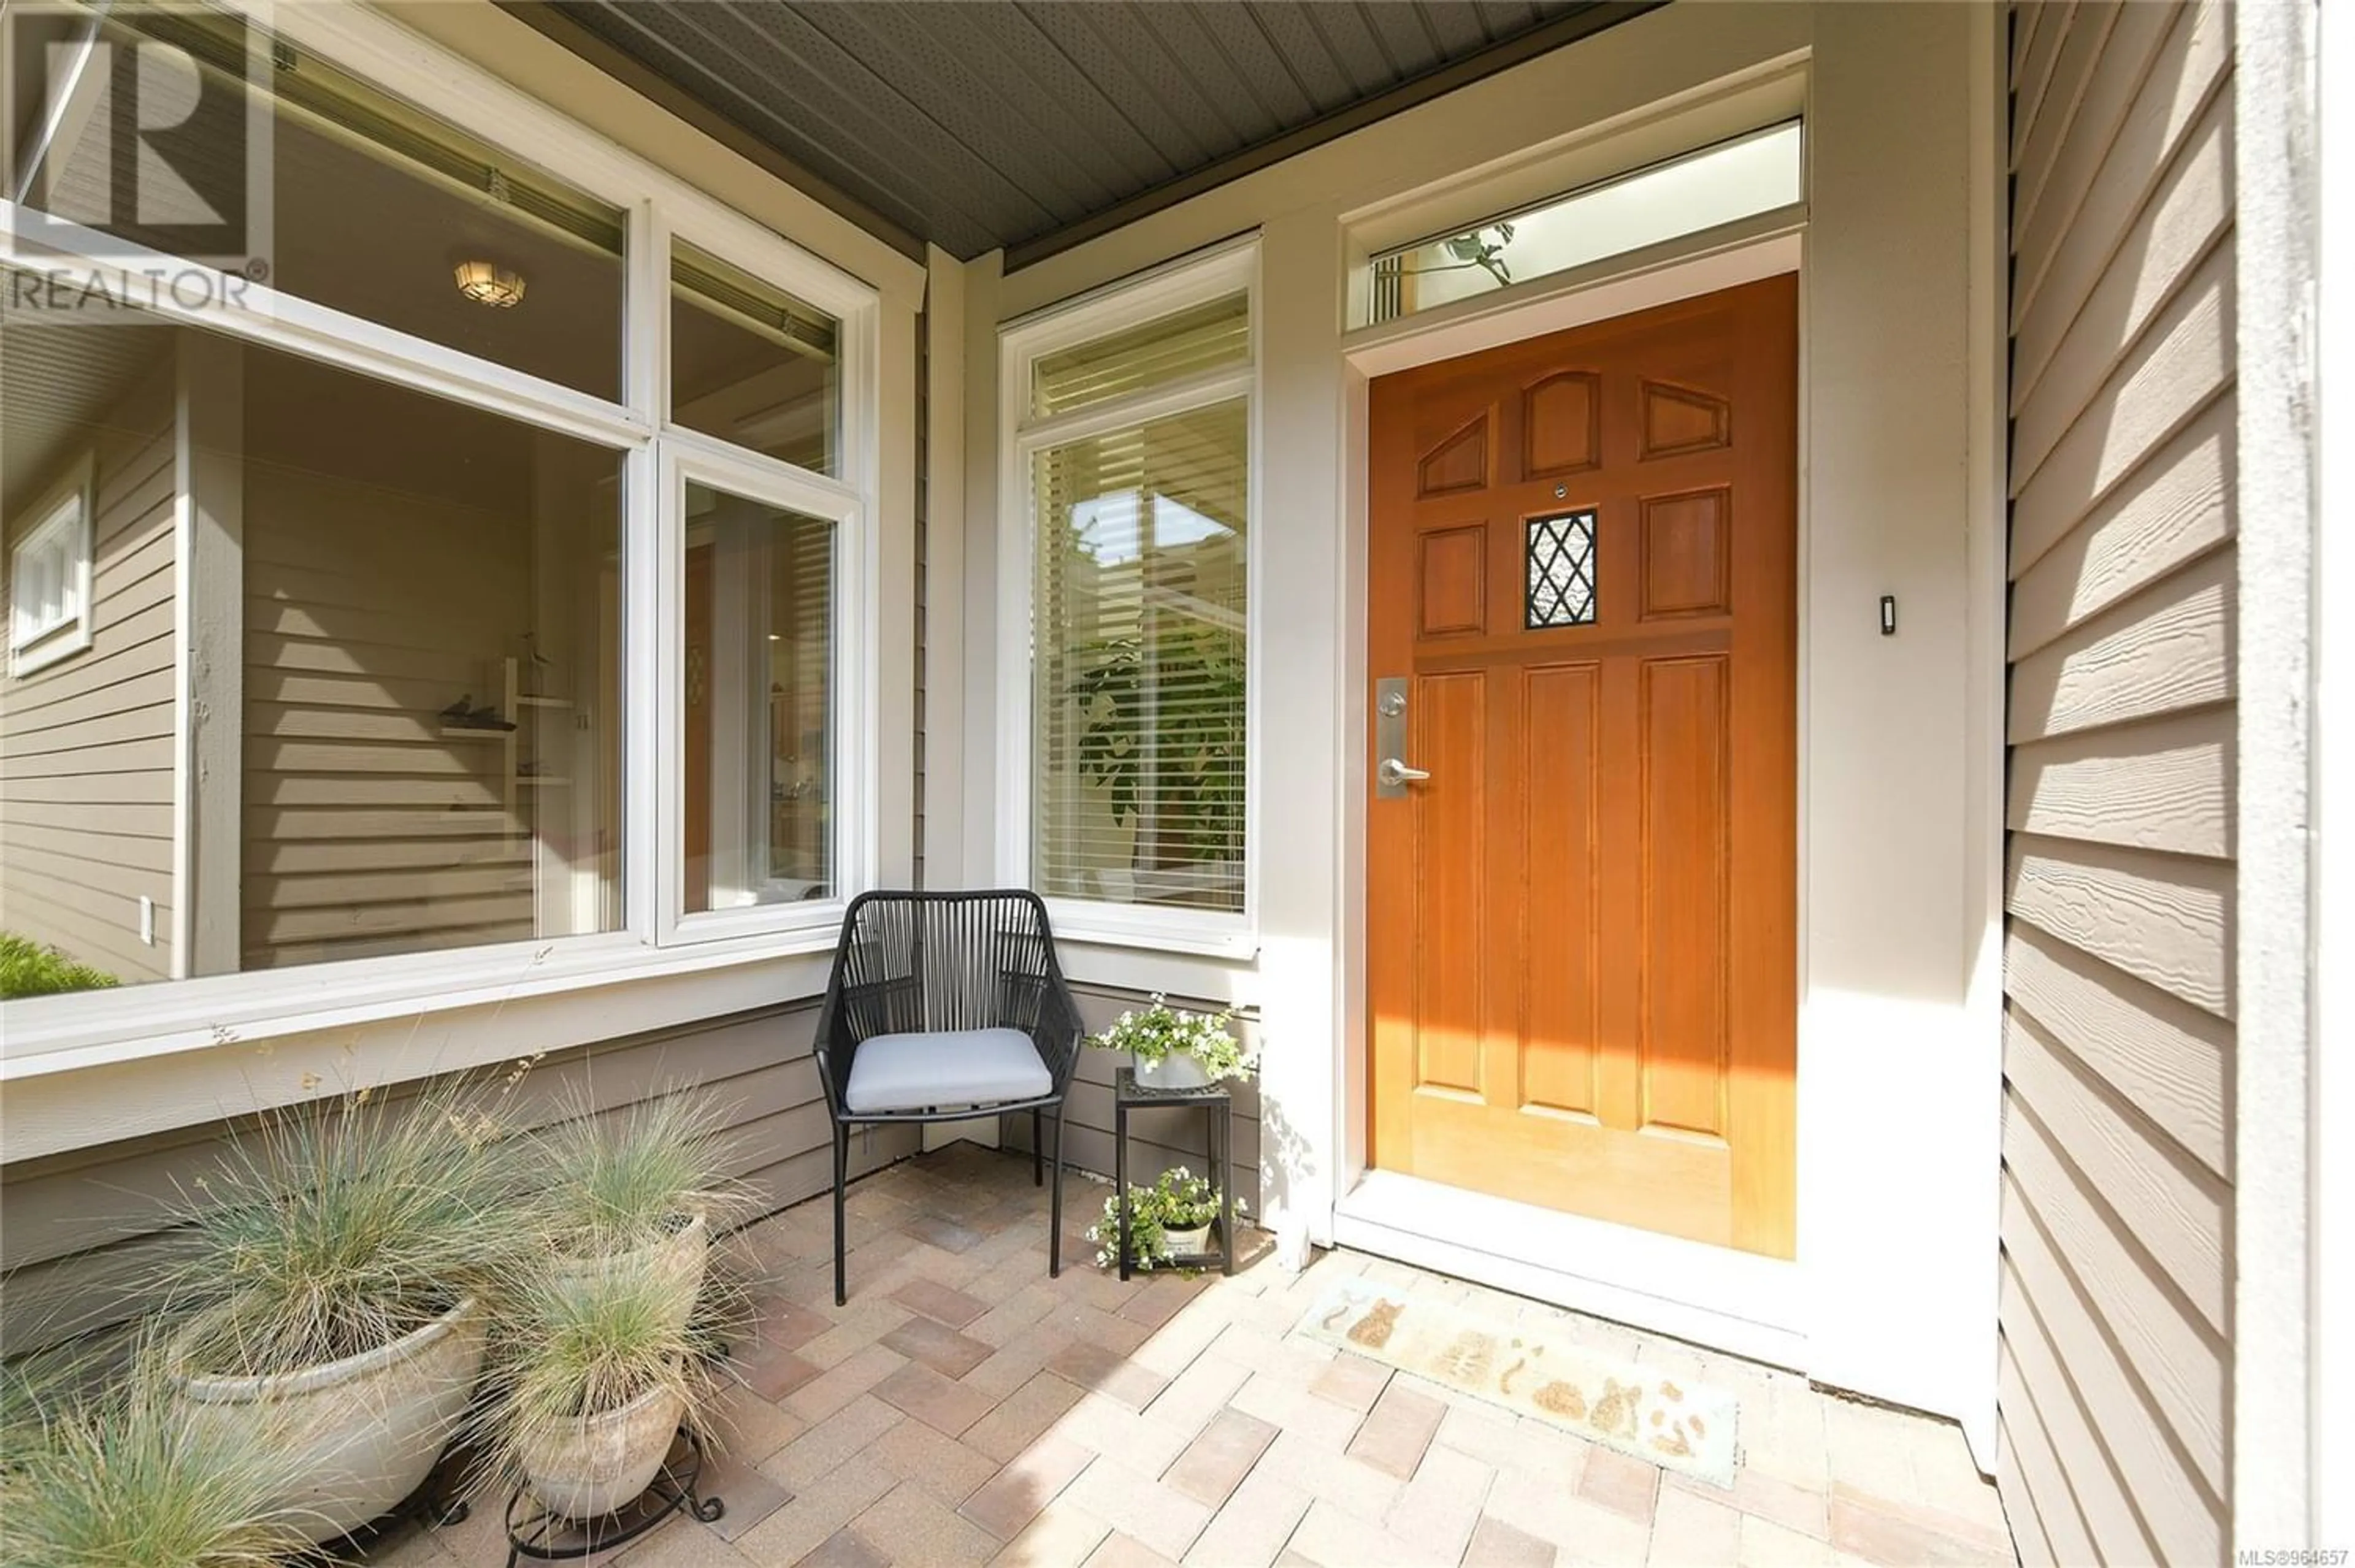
[
  {"x": 1137, "y": 710},
  {"x": 1135, "y": 452},
  {"x": 1207, "y": 338}
]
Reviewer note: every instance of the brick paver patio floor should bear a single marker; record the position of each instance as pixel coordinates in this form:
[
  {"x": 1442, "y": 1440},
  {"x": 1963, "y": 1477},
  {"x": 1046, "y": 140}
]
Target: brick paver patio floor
[{"x": 965, "y": 1409}]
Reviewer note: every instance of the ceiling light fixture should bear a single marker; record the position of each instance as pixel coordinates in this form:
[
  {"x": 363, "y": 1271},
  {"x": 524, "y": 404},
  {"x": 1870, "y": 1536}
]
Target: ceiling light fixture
[{"x": 487, "y": 282}]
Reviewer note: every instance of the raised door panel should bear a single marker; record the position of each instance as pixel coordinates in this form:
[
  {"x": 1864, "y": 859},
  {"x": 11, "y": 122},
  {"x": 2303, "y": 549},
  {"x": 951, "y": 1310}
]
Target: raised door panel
[
  {"x": 1454, "y": 581},
  {"x": 1681, "y": 420},
  {"x": 1683, "y": 743},
  {"x": 1457, "y": 463},
  {"x": 1450, "y": 731},
  {"x": 1561, "y": 961},
  {"x": 1688, "y": 554},
  {"x": 1561, "y": 424}
]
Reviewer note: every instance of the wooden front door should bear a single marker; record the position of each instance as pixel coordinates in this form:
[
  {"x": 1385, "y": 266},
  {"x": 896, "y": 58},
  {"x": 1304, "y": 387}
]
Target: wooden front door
[{"x": 1581, "y": 927}]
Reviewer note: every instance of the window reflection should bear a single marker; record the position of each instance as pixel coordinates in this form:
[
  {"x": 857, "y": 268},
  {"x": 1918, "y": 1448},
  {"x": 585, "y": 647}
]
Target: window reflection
[
  {"x": 752, "y": 365},
  {"x": 371, "y": 206},
  {"x": 759, "y": 632},
  {"x": 402, "y": 660}
]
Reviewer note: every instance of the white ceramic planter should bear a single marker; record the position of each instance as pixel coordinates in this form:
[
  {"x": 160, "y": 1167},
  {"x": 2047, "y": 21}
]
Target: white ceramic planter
[
  {"x": 1178, "y": 1069},
  {"x": 604, "y": 1462},
  {"x": 366, "y": 1430},
  {"x": 1188, "y": 1244},
  {"x": 684, "y": 1257}
]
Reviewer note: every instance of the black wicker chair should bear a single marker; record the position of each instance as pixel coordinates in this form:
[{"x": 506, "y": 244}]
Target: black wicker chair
[{"x": 945, "y": 1006}]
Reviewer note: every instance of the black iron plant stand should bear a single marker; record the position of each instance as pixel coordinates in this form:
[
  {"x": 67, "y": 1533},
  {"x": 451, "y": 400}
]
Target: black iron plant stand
[{"x": 1217, "y": 1101}]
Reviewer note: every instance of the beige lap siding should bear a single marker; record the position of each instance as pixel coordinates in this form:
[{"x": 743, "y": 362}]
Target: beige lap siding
[
  {"x": 366, "y": 830},
  {"x": 76, "y": 1229},
  {"x": 2116, "y": 1365},
  {"x": 86, "y": 745}
]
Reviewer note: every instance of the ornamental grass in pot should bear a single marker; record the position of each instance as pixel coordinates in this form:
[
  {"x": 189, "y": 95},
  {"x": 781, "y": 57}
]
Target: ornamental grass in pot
[
  {"x": 596, "y": 1371},
  {"x": 328, "y": 1288},
  {"x": 648, "y": 1183},
  {"x": 118, "y": 1474}
]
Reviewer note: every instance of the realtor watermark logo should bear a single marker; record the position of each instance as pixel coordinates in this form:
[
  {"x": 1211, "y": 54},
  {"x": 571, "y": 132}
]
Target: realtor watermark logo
[{"x": 137, "y": 148}]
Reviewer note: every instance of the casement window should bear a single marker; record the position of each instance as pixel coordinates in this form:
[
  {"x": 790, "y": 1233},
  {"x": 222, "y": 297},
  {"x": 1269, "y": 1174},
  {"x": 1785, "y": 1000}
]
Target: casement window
[
  {"x": 48, "y": 579},
  {"x": 486, "y": 595},
  {"x": 1128, "y": 753},
  {"x": 761, "y": 817}
]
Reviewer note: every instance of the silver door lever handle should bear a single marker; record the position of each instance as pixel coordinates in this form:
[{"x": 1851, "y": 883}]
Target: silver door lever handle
[{"x": 1394, "y": 773}]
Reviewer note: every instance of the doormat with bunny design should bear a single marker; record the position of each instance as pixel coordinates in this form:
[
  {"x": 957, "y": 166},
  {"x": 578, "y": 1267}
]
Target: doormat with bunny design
[{"x": 1665, "y": 1421}]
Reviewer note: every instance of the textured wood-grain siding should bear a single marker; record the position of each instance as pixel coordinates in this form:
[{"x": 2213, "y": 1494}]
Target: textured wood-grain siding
[
  {"x": 86, "y": 745},
  {"x": 2114, "y": 1381},
  {"x": 77, "y": 1229}
]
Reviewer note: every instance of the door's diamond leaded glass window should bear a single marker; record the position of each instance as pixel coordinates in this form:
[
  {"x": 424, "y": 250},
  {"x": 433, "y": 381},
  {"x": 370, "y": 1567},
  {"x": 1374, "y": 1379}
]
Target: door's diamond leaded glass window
[{"x": 1562, "y": 571}]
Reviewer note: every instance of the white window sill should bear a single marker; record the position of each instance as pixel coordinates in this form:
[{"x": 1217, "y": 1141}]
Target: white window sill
[
  {"x": 51, "y": 646},
  {"x": 1153, "y": 930},
  {"x": 45, "y": 1035}
]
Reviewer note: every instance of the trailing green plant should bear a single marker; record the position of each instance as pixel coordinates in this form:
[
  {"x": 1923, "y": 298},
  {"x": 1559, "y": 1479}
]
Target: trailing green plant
[
  {"x": 1176, "y": 1200},
  {"x": 1160, "y": 1029},
  {"x": 127, "y": 1477},
  {"x": 575, "y": 1345},
  {"x": 629, "y": 1178},
  {"x": 325, "y": 1232},
  {"x": 29, "y": 969}
]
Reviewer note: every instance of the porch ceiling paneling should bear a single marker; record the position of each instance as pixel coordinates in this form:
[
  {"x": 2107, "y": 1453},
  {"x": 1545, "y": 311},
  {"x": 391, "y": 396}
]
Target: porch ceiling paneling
[{"x": 977, "y": 126}]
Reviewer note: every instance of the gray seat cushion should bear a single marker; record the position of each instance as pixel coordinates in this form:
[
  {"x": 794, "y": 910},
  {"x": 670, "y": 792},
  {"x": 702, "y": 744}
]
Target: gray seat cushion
[{"x": 952, "y": 1067}]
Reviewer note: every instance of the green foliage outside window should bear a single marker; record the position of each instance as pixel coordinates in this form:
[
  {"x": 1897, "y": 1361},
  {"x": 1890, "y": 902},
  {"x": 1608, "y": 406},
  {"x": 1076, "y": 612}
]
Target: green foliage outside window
[
  {"x": 1162, "y": 733},
  {"x": 29, "y": 969}
]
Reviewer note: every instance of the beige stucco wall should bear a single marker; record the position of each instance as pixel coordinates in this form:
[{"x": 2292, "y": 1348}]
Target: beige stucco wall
[{"x": 1893, "y": 1290}]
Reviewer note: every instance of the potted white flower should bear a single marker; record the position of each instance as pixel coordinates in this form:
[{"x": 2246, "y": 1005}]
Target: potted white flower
[
  {"x": 1170, "y": 1218},
  {"x": 1176, "y": 1049}
]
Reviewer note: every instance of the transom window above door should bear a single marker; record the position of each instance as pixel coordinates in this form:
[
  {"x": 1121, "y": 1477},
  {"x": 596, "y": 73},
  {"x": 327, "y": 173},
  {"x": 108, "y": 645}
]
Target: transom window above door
[{"x": 1742, "y": 176}]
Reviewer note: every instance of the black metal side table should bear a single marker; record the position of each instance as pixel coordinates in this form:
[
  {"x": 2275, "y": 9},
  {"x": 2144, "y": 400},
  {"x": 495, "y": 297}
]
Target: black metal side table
[{"x": 1217, "y": 1101}]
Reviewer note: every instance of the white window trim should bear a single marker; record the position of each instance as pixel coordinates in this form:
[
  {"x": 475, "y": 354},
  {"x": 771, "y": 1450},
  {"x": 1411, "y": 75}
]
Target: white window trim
[
  {"x": 80, "y": 1030},
  {"x": 64, "y": 513},
  {"x": 1228, "y": 269}
]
